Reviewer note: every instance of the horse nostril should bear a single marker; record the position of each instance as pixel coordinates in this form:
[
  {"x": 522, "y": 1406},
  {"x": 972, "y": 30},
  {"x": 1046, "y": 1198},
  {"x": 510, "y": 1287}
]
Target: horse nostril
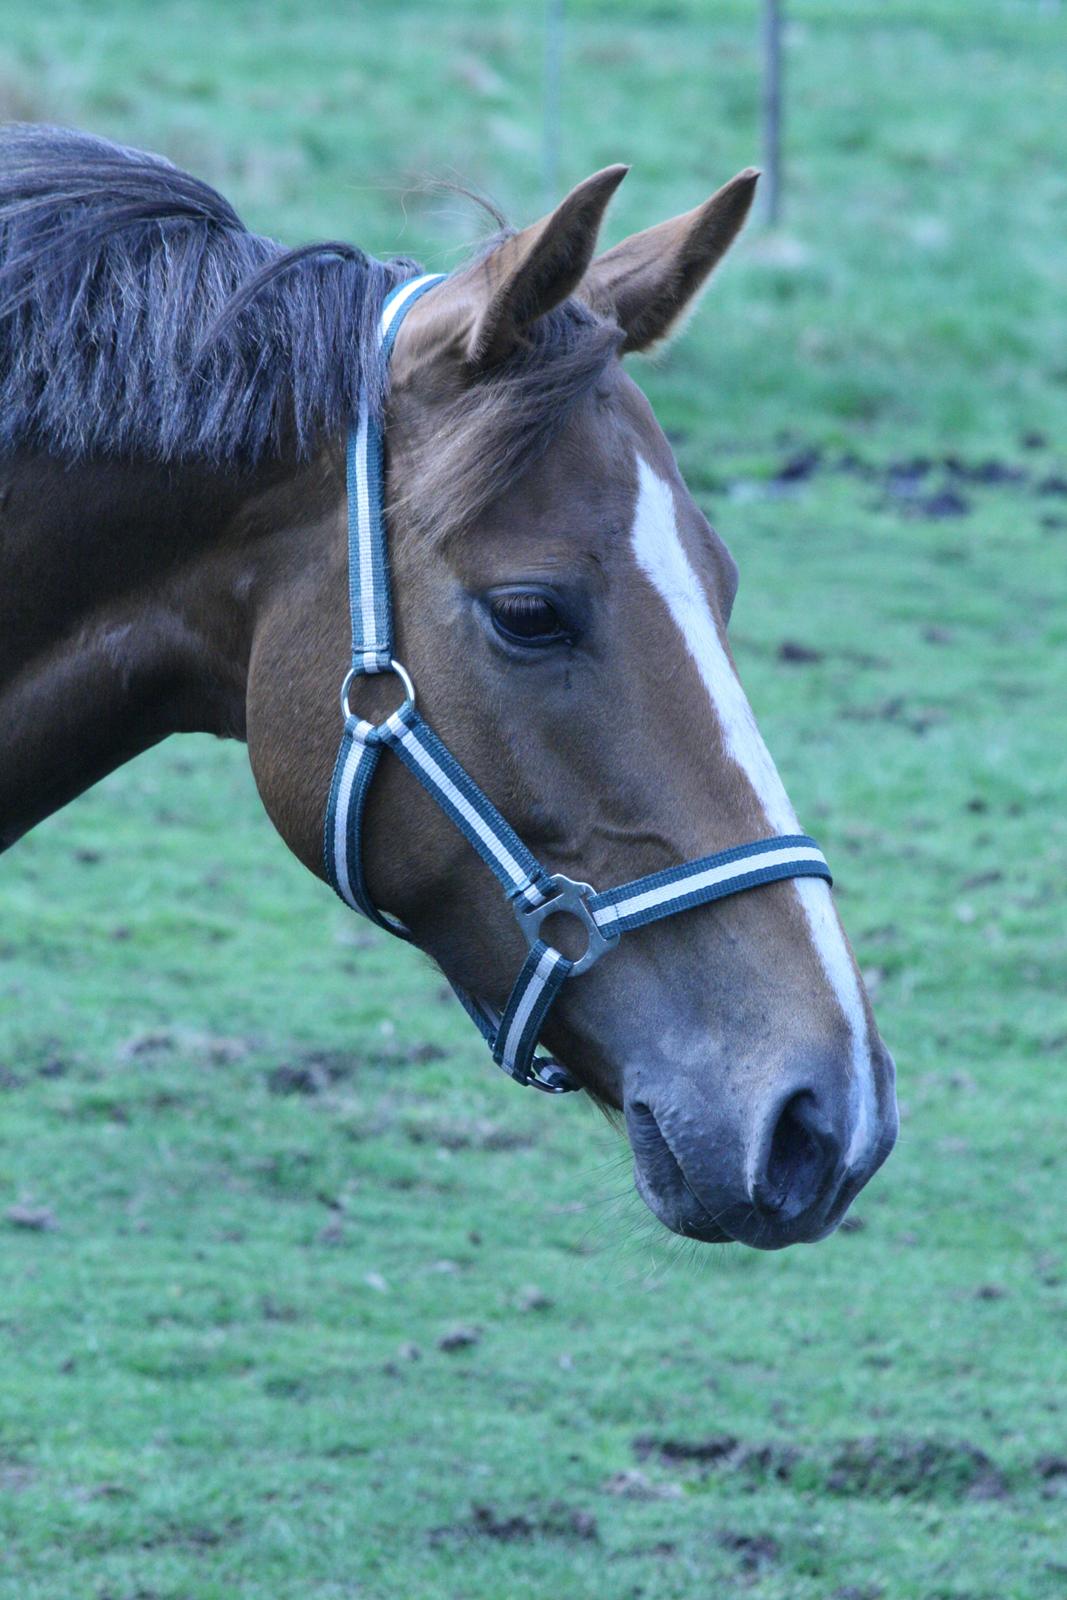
[{"x": 800, "y": 1160}]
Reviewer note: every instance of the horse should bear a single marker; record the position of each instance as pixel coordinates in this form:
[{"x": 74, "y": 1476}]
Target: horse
[{"x": 175, "y": 398}]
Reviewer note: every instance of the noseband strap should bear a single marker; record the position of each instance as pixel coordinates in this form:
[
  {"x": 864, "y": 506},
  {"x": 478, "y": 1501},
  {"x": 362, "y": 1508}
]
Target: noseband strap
[{"x": 533, "y": 891}]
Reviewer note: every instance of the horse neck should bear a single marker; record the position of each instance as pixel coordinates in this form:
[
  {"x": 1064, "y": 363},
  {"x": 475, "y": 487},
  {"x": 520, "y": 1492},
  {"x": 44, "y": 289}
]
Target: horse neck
[{"x": 128, "y": 599}]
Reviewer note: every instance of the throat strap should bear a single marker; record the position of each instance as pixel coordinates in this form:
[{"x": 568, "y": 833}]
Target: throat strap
[{"x": 534, "y": 893}]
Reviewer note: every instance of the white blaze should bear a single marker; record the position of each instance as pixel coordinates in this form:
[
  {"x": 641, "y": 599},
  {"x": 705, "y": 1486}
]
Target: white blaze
[{"x": 662, "y": 558}]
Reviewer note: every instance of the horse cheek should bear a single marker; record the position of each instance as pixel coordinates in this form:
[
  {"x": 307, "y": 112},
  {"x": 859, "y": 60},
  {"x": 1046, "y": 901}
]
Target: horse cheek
[{"x": 294, "y": 725}]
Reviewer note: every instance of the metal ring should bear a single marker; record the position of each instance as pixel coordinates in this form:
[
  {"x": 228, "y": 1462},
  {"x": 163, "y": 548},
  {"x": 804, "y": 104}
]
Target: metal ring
[
  {"x": 394, "y": 666},
  {"x": 551, "y": 1078}
]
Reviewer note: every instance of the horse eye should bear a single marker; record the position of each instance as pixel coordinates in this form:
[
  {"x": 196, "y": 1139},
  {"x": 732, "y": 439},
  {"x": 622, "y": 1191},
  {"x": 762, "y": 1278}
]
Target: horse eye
[{"x": 526, "y": 617}]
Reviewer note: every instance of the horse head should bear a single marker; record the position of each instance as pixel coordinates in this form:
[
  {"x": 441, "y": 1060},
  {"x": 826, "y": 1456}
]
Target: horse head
[{"x": 563, "y": 606}]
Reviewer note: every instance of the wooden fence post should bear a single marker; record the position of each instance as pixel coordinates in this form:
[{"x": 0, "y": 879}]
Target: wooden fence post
[
  {"x": 552, "y": 100},
  {"x": 773, "y": 21}
]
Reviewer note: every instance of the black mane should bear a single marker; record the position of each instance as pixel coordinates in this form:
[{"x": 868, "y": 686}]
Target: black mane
[{"x": 140, "y": 318}]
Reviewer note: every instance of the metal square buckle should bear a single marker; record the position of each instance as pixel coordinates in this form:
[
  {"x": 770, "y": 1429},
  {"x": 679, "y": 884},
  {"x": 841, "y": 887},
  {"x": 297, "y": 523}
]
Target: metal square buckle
[{"x": 571, "y": 899}]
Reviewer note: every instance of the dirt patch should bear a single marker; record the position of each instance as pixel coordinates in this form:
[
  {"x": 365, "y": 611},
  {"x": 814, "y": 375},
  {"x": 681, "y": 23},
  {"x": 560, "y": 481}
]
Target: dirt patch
[
  {"x": 1052, "y": 1472},
  {"x": 704, "y": 1452},
  {"x": 149, "y": 1042},
  {"x": 196, "y": 1535},
  {"x": 110, "y": 1490},
  {"x": 895, "y": 709},
  {"x": 421, "y": 1054},
  {"x": 476, "y": 1134},
  {"x": 760, "y": 1463},
  {"x": 928, "y": 487},
  {"x": 766, "y": 1462},
  {"x": 35, "y": 1219},
  {"x": 663, "y": 1549},
  {"x": 799, "y": 467},
  {"x": 756, "y": 1550},
  {"x": 882, "y": 1469},
  {"x": 556, "y": 1521},
  {"x": 797, "y": 654},
  {"x": 154, "y": 1044},
  {"x": 490, "y": 1524},
  {"x": 314, "y": 1072},
  {"x": 873, "y": 1468},
  {"x": 42, "y": 1058},
  {"x": 459, "y": 1338},
  {"x": 633, "y": 1484},
  {"x": 943, "y": 503}
]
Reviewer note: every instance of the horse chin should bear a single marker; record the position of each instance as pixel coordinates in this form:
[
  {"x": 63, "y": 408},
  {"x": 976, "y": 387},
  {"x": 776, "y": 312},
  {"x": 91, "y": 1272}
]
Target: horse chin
[
  {"x": 690, "y": 1220},
  {"x": 679, "y": 1211},
  {"x": 662, "y": 1185}
]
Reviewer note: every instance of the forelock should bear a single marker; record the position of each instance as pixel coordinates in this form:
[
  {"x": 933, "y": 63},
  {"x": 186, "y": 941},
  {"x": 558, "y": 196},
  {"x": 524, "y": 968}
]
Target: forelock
[{"x": 490, "y": 434}]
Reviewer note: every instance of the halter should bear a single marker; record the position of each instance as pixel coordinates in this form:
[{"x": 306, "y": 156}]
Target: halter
[{"x": 533, "y": 892}]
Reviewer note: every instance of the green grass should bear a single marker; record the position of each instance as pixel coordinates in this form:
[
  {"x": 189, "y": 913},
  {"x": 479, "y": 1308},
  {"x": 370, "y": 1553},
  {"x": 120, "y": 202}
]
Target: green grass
[{"x": 207, "y": 1374}]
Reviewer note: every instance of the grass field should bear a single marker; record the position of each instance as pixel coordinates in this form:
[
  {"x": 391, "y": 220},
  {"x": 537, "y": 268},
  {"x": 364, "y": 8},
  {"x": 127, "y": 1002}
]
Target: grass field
[{"x": 299, "y": 1299}]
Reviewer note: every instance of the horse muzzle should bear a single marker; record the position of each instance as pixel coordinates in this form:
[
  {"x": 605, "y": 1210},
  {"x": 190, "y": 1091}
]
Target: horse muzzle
[{"x": 780, "y": 1176}]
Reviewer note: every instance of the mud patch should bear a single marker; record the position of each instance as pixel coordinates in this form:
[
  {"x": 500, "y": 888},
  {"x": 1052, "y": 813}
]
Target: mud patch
[
  {"x": 895, "y": 709},
  {"x": 871, "y": 1468},
  {"x": 1052, "y": 1473},
  {"x": 459, "y": 1338},
  {"x": 633, "y": 1484},
  {"x": 556, "y": 1521},
  {"x": 157, "y": 1044},
  {"x": 662, "y": 1550},
  {"x": 931, "y": 1469},
  {"x": 31, "y": 1218},
  {"x": 703, "y": 1452},
  {"x": 797, "y": 654},
  {"x": 41, "y": 1058},
  {"x": 944, "y": 503},
  {"x": 195, "y": 1536},
  {"x": 760, "y": 1463},
  {"x": 313, "y": 1072},
  {"x": 933, "y": 488},
  {"x": 755, "y": 1550},
  {"x": 474, "y": 1134},
  {"x": 799, "y": 467}
]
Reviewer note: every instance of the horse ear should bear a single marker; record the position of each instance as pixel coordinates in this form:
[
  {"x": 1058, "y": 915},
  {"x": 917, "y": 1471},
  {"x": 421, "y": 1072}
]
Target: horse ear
[
  {"x": 649, "y": 279},
  {"x": 534, "y": 270}
]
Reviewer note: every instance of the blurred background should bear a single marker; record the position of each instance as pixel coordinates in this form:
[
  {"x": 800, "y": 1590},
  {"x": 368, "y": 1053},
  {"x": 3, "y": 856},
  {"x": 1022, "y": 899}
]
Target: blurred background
[{"x": 299, "y": 1298}]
